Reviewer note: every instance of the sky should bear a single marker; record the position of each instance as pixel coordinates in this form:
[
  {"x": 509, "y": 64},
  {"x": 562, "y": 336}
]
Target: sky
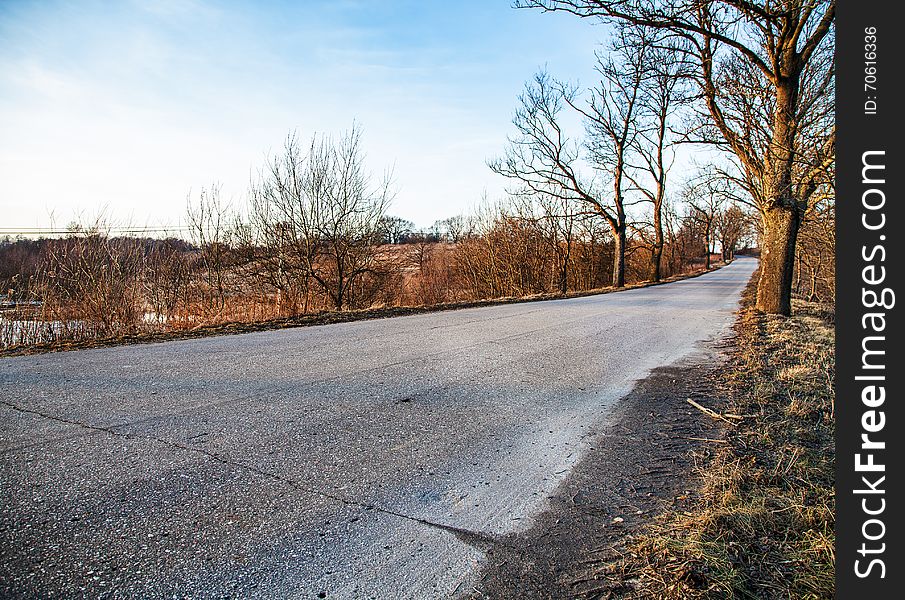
[{"x": 125, "y": 108}]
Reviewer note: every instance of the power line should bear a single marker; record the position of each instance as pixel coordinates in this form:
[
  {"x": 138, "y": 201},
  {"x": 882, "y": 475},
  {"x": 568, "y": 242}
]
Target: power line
[{"x": 118, "y": 230}]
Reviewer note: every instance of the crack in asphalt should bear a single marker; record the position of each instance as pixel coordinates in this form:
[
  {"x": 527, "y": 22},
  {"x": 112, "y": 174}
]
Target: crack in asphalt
[{"x": 479, "y": 540}]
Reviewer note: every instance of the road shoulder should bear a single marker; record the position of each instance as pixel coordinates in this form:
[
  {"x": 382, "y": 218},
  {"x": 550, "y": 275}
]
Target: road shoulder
[{"x": 638, "y": 466}]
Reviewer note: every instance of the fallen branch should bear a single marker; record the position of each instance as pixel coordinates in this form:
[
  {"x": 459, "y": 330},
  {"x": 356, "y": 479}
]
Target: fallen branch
[{"x": 711, "y": 413}]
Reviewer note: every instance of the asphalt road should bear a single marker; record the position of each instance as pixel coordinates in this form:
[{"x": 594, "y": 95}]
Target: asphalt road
[{"x": 366, "y": 459}]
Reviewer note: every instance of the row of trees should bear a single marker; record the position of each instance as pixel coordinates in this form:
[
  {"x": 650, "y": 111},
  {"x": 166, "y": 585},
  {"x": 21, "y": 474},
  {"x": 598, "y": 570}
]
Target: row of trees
[
  {"x": 751, "y": 82},
  {"x": 756, "y": 80},
  {"x": 537, "y": 244},
  {"x": 623, "y": 157}
]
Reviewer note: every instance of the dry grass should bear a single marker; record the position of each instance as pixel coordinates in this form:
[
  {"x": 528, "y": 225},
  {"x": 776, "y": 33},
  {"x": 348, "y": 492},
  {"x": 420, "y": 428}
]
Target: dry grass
[{"x": 762, "y": 525}]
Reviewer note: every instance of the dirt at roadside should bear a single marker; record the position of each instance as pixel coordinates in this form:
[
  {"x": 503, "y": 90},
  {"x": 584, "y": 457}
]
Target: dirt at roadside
[{"x": 639, "y": 466}]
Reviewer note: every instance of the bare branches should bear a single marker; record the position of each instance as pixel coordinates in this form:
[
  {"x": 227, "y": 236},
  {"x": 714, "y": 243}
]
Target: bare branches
[
  {"x": 684, "y": 18},
  {"x": 546, "y": 162},
  {"x": 542, "y": 158},
  {"x": 208, "y": 223},
  {"x": 321, "y": 215}
]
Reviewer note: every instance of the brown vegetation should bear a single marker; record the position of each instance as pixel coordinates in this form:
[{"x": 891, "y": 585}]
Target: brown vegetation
[
  {"x": 93, "y": 286},
  {"x": 762, "y": 522},
  {"x": 314, "y": 236}
]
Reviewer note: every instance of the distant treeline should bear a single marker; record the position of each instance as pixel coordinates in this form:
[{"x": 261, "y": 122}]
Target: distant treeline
[{"x": 93, "y": 285}]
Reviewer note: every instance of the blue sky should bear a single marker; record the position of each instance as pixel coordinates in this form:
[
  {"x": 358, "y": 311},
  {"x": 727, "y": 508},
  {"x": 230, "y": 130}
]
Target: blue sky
[{"x": 127, "y": 106}]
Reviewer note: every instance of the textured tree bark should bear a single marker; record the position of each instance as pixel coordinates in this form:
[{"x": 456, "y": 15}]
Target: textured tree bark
[
  {"x": 781, "y": 217},
  {"x": 656, "y": 255},
  {"x": 777, "y": 262},
  {"x": 619, "y": 257}
]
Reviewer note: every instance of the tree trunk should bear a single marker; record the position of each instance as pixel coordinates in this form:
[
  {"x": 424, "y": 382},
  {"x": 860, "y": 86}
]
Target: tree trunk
[
  {"x": 777, "y": 263},
  {"x": 619, "y": 256},
  {"x": 656, "y": 255},
  {"x": 563, "y": 274},
  {"x": 781, "y": 216},
  {"x": 656, "y": 258}
]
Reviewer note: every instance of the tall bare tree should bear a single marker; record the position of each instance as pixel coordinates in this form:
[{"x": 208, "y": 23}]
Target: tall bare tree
[
  {"x": 614, "y": 123},
  {"x": 662, "y": 94},
  {"x": 547, "y": 162},
  {"x": 765, "y": 74}
]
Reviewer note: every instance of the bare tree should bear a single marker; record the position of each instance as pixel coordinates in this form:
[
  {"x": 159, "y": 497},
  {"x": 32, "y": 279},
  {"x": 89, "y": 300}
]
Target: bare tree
[
  {"x": 731, "y": 227},
  {"x": 614, "y": 125},
  {"x": 559, "y": 226},
  {"x": 208, "y": 219},
  {"x": 662, "y": 94},
  {"x": 705, "y": 197},
  {"x": 677, "y": 251},
  {"x": 395, "y": 230},
  {"x": 554, "y": 219},
  {"x": 506, "y": 254},
  {"x": 324, "y": 214},
  {"x": 166, "y": 280},
  {"x": 546, "y": 162},
  {"x": 765, "y": 76},
  {"x": 452, "y": 229}
]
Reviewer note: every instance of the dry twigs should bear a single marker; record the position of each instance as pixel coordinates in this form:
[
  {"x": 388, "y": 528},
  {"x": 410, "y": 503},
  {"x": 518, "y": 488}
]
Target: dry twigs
[{"x": 711, "y": 413}]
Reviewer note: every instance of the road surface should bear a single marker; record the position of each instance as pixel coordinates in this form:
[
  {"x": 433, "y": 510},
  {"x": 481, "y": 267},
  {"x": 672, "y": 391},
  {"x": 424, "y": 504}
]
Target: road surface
[{"x": 366, "y": 459}]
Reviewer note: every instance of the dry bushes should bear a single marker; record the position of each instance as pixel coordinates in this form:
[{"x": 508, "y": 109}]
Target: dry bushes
[
  {"x": 317, "y": 219},
  {"x": 92, "y": 285}
]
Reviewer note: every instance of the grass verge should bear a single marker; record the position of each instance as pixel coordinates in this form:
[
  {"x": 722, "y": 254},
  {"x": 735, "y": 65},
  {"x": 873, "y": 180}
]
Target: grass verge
[{"x": 762, "y": 522}]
